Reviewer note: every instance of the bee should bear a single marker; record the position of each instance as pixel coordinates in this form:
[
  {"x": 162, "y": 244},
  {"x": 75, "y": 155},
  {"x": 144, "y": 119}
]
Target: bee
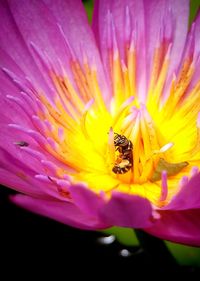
[{"x": 124, "y": 161}]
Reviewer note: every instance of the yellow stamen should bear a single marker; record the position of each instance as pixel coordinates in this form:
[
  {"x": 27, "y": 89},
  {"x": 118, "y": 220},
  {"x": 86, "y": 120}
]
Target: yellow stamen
[{"x": 164, "y": 132}]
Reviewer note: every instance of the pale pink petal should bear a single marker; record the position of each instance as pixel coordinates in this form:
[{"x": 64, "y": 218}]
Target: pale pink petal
[
  {"x": 142, "y": 25},
  {"x": 122, "y": 20},
  {"x": 166, "y": 20},
  {"x": 180, "y": 23},
  {"x": 195, "y": 33}
]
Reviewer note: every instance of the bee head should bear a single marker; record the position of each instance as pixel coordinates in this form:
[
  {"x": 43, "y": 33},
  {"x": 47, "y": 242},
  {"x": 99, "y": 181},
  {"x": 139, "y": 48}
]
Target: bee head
[{"x": 120, "y": 140}]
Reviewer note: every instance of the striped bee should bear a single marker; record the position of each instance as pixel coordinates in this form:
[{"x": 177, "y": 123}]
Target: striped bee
[{"x": 124, "y": 161}]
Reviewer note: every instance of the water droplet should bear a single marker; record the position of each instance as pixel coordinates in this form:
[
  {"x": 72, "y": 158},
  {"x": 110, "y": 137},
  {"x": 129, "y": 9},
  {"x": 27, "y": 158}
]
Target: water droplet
[
  {"x": 106, "y": 240},
  {"x": 125, "y": 253}
]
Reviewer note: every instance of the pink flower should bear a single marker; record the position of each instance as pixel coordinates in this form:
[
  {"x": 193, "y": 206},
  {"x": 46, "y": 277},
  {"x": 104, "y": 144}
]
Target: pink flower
[{"x": 71, "y": 93}]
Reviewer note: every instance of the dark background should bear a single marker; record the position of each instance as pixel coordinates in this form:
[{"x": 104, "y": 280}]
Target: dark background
[{"x": 40, "y": 246}]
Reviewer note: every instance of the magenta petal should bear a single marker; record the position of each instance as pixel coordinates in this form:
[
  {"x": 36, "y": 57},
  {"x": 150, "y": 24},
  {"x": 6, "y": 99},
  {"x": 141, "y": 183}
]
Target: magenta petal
[
  {"x": 179, "y": 21},
  {"x": 195, "y": 32},
  {"x": 12, "y": 156},
  {"x": 142, "y": 24},
  {"x": 121, "y": 20},
  {"x": 18, "y": 116},
  {"x": 57, "y": 30},
  {"x": 63, "y": 212},
  {"x": 13, "y": 181},
  {"x": 14, "y": 53},
  {"x": 128, "y": 211},
  {"x": 17, "y": 175},
  {"x": 119, "y": 11},
  {"x": 38, "y": 26},
  {"x": 86, "y": 200},
  {"x": 181, "y": 227},
  {"x": 171, "y": 18},
  {"x": 188, "y": 197},
  {"x": 72, "y": 19}
]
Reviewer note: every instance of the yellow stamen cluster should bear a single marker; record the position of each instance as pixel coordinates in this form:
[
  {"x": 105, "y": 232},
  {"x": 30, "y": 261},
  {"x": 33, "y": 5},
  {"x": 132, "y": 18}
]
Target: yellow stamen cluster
[{"x": 164, "y": 131}]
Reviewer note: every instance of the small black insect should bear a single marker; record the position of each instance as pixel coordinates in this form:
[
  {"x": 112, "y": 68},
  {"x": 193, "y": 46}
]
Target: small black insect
[
  {"x": 124, "y": 161},
  {"x": 21, "y": 143}
]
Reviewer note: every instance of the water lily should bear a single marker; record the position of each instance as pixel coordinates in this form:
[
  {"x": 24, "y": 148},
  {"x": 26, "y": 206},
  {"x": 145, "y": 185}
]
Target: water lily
[{"x": 70, "y": 91}]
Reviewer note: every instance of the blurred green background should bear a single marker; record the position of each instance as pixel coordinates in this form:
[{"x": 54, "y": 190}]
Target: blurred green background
[
  {"x": 194, "y": 6},
  {"x": 185, "y": 255},
  {"x": 89, "y": 8}
]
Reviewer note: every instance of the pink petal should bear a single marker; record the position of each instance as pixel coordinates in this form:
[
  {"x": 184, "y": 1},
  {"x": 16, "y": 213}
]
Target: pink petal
[
  {"x": 52, "y": 30},
  {"x": 197, "y": 34},
  {"x": 20, "y": 165},
  {"x": 6, "y": 88},
  {"x": 112, "y": 15},
  {"x": 188, "y": 197},
  {"x": 17, "y": 183},
  {"x": 120, "y": 210},
  {"x": 180, "y": 17},
  {"x": 63, "y": 212},
  {"x": 147, "y": 20},
  {"x": 38, "y": 26},
  {"x": 196, "y": 54},
  {"x": 127, "y": 211},
  {"x": 86, "y": 200},
  {"x": 181, "y": 227},
  {"x": 9, "y": 140},
  {"x": 169, "y": 17},
  {"x": 14, "y": 54},
  {"x": 71, "y": 17}
]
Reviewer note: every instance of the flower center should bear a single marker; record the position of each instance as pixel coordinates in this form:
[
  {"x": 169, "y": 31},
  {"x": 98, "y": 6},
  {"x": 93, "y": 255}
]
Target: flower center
[
  {"x": 158, "y": 142},
  {"x": 150, "y": 164}
]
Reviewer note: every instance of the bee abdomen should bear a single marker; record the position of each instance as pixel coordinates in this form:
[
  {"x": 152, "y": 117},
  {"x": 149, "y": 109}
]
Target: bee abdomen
[{"x": 121, "y": 170}]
